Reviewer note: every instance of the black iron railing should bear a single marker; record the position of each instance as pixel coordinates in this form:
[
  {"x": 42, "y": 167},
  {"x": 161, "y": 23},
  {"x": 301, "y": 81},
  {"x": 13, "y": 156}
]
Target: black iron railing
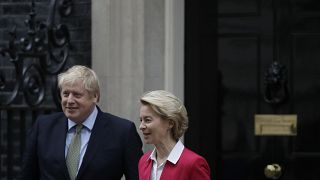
[{"x": 28, "y": 79}]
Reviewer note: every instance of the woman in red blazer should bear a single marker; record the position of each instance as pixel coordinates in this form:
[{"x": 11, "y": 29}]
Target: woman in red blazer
[{"x": 163, "y": 121}]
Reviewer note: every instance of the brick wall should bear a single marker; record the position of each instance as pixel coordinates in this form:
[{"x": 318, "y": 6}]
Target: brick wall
[{"x": 16, "y": 119}]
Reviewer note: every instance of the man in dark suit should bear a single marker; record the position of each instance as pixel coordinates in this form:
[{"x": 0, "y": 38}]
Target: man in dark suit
[{"x": 82, "y": 142}]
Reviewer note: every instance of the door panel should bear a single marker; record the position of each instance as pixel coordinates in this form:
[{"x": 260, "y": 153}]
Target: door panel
[
  {"x": 250, "y": 36},
  {"x": 247, "y": 44}
]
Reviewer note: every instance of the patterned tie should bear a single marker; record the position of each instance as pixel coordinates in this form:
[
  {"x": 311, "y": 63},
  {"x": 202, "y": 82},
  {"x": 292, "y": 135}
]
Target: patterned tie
[{"x": 73, "y": 155}]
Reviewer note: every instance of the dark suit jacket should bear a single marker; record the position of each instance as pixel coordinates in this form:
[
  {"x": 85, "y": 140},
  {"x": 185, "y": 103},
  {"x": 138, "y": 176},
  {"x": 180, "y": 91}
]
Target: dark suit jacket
[
  {"x": 114, "y": 149},
  {"x": 190, "y": 166}
]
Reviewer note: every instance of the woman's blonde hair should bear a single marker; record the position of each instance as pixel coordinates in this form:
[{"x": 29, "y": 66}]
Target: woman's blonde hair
[
  {"x": 168, "y": 107},
  {"x": 86, "y": 75}
]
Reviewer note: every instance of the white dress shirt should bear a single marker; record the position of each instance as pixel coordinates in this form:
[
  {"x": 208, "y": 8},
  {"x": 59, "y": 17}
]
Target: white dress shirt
[
  {"x": 173, "y": 158},
  {"x": 85, "y": 133}
]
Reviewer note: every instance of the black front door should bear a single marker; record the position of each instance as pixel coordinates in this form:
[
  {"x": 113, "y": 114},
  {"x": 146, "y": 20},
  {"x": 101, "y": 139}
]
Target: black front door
[{"x": 248, "y": 36}]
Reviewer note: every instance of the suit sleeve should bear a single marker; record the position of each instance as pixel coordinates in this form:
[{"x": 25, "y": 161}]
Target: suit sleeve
[
  {"x": 200, "y": 170},
  {"x": 133, "y": 152},
  {"x": 30, "y": 167}
]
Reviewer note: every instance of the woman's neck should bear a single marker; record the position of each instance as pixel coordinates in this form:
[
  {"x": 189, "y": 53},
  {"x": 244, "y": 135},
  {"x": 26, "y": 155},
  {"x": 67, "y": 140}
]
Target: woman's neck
[{"x": 163, "y": 149}]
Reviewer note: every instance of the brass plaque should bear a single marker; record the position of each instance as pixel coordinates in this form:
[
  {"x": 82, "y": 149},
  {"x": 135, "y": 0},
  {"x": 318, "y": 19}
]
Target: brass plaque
[{"x": 275, "y": 124}]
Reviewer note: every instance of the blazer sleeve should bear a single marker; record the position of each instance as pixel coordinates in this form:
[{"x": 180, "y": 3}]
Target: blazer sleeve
[
  {"x": 133, "y": 152},
  {"x": 30, "y": 167},
  {"x": 200, "y": 169}
]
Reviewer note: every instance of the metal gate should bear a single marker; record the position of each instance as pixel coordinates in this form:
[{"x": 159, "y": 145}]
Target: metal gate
[{"x": 30, "y": 61}]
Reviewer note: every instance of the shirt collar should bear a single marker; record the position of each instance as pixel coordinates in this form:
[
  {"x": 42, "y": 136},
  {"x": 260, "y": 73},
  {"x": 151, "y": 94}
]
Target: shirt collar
[
  {"x": 88, "y": 123},
  {"x": 174, "y": 154}
]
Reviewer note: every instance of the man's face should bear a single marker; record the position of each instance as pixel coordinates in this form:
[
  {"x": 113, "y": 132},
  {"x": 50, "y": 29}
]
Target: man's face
[{"x": 77, "y": 103}]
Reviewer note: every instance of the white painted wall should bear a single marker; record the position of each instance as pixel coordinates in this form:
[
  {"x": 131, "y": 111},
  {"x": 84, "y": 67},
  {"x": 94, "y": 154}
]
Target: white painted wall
[{"x": 137, "y": 46}]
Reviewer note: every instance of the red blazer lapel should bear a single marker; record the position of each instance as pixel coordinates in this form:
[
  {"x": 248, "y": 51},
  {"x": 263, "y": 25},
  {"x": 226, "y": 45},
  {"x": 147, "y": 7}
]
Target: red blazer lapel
[
  {"x": 182, "y": 170},
  {"x": 145, "y": 167},
  {"x": 168, "y": 172}
]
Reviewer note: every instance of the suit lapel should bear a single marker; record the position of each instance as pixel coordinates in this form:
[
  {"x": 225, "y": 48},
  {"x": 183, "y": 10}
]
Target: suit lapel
[
  {"x": 168, "y": 171},
  {"x": 146, "y": 172},
  {"x": 61, "y": 143},
  {"x": 97, "y": 132}
]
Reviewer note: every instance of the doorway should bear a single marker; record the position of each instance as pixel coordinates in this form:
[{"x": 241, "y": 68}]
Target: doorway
[{"x": 230, "y": 46}]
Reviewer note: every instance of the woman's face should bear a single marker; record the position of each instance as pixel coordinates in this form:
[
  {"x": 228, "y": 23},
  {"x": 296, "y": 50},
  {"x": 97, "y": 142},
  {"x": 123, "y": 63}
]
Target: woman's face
[{"x": 155, "y": 129}]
